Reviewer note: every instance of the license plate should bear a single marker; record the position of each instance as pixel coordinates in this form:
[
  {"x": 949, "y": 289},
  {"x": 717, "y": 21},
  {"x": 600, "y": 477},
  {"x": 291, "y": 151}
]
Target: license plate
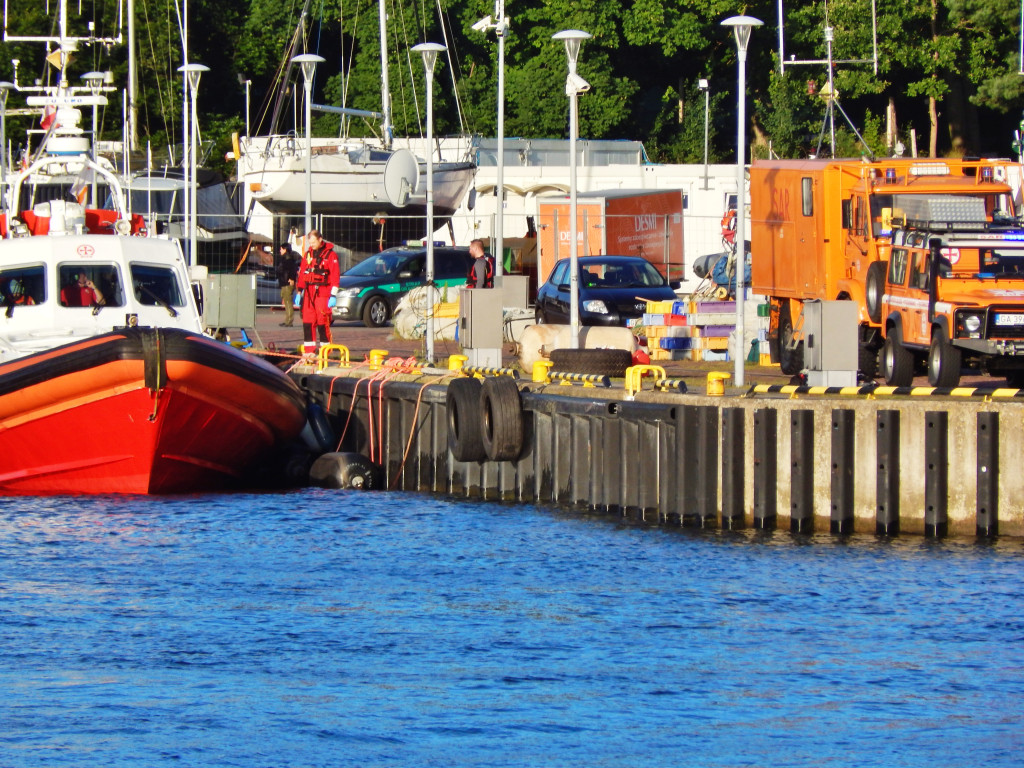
[{"x": 1009, "y": 319}]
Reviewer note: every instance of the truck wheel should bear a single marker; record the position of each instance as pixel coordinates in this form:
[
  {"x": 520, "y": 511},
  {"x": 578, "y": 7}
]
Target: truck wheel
[
  {"x": 1015, "y": 379},
  {"x": 874, "y": 288},
  {"x": 897, "y": 362},
  {"x": 538, "y": 316},
  {"x": 376, "y": 312},
  {"x": 944, "y": 361},
  {"x": 791, "y": 359},
  {"x": 867, "y": 360}
]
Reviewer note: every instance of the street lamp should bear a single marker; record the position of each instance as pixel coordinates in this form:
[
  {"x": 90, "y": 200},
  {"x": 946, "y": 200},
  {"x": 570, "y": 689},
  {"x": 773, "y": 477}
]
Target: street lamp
[
  {"x": 702, "y": 85},
  {"x": 5, "y": 89},
  {"x": 192, "y": 73},
  {"x": 500, "y": 27},
  {"x": 574, "y": 86},
  {"x": 429, "y": 52},
  {"x": 741, "y": 26},
  {"x": 308, "y": 61},
  {"x": 95, "y": 81}
]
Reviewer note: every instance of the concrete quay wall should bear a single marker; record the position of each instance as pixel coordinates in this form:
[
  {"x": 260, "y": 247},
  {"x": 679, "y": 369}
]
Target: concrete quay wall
[{"x": 931, "y": 466}]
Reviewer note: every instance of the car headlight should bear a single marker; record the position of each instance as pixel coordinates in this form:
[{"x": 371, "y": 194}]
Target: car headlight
[
  {"x": 596, "y": 306},
  {"x": 972, "y": 323},
  {"x": 348, "y": 293}
]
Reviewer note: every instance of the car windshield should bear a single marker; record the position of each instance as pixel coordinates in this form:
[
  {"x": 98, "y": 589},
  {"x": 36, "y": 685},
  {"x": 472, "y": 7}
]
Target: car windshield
[
  {"x": 382, "y": 264},
  {"x": 620, "y": 274}
]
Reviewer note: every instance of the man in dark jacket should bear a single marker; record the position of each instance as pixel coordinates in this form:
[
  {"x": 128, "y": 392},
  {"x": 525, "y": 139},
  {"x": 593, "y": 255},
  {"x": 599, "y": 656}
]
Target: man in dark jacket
[
  {"x": 287, "y": 272},
  {"x": 481, "y": 271}
]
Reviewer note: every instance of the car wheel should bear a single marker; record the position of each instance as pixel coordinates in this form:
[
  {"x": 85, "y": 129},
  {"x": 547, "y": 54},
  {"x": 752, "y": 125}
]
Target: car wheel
[
  {"x": 944, "y": 361},
  {"x": 376, "y": 312},
  {"x": 538, "y": 316},
  {"x": 897, "y": 362}
]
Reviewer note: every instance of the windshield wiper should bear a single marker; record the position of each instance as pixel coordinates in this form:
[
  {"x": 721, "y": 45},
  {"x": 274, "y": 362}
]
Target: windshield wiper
[{"x": 158, "y": 300}]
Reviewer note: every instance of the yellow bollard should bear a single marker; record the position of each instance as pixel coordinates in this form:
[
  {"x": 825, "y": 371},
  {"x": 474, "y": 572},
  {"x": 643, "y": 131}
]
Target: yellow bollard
[
  {"x": 377, "y": 358},
  {"x": 635, "y": 373},
  {"x": 324, "y": 356},
  {"x": 716, "y": 382},
  {"x": 456, "y": 362},
  {"x": 540, "y": 371}
]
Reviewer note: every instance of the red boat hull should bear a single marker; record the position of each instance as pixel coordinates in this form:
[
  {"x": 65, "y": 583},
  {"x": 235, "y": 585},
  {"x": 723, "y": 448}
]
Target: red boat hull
[{"x": 140, "y": 410}]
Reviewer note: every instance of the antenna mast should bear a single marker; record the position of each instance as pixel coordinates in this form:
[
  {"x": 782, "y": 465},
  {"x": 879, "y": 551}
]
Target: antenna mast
[{"x": 831, "y": 100}]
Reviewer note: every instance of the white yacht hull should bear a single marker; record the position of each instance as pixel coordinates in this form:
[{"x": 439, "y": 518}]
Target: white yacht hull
[{"x": 342, "y": 185}]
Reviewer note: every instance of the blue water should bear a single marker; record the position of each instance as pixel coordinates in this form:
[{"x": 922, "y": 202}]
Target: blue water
[{"x": 326, "y": 628}]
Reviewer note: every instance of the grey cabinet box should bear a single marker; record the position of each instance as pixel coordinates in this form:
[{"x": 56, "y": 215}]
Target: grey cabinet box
[
  {"x": 830, "y": 342},
  {"x": 229, "y": 301}
]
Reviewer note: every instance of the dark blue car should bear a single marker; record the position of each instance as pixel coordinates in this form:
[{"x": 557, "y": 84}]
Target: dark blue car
[{"x": 613, "y": 289}]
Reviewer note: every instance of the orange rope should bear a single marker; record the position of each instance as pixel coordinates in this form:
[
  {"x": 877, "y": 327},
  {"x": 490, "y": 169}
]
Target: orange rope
[{"x": 415, "y": 426}]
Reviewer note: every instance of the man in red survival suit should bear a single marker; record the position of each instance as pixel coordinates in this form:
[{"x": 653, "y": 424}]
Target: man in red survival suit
[{"x": 317, "y": 286}]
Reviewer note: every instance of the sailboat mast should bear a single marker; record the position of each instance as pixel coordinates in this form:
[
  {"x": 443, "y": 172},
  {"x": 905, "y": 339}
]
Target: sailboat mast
[
  {"x": 133, "y": 82},
  {"x": 385, "y": 90},
  {"x": 297, "y": 36}
]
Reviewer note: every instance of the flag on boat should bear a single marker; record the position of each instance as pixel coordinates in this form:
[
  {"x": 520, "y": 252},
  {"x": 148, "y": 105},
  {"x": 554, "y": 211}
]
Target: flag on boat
[
  {"x": 49, "y": 115},
  {"x": 85, "y": 177}
]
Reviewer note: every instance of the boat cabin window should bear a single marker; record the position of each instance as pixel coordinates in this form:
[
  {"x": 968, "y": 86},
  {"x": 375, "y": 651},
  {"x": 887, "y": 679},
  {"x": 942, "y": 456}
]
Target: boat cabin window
[
  {"x": 89, "y": 284},
  {"x": 156, "y": 286},
  {"x": 23, "y": 285}
]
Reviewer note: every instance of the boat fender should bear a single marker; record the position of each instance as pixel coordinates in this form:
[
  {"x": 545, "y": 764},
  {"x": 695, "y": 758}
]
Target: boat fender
[
  {"x": 464, "y": 432},
  {"x": 501, "y": 419},
  {"x": 349, "y": 471},
  {"x": 317, "y": 434}
]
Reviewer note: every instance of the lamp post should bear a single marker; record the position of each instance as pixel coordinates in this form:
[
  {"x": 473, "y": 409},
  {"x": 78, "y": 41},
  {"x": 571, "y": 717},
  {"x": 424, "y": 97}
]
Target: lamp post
[
  {"x": 5, "y": 89},
  {"x": 95, "y": 81},
  {"x": 500, "y": 27},
  {"x": 741, "y": 26},
  {"x": 574, "y": 86},
  {"x": 702, "y": 84},
  {"x": 192, "y": 73},
  {"x": 429, "y": 52},
  {"x": 308, "y": 62}
]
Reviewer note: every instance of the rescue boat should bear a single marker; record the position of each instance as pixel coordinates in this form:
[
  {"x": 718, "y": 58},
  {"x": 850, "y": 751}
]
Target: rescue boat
[{"x": 107, "y": 381}]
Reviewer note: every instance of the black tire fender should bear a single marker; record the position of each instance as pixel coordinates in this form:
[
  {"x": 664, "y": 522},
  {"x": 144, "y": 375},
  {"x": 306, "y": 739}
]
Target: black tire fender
[
  {"x": 465, "y": 439},
  {"x": 599, "y": 362},
  {"x": 321, "y": 434},
  {"x": 501, "y": 419}
]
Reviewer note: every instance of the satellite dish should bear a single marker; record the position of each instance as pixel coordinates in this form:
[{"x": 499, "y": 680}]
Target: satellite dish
[{"x": 401, "y": 177}]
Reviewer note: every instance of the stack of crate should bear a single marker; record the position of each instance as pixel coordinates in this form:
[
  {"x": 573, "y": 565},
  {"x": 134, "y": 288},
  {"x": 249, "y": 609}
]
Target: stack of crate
[{"x": 693, "y": 330}]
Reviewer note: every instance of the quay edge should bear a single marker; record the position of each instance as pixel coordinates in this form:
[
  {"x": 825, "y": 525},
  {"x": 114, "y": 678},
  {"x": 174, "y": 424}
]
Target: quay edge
[{"x": 932, "y": 466}]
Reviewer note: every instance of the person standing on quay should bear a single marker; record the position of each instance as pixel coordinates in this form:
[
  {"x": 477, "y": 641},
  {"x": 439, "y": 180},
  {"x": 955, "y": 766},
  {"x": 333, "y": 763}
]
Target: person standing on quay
[
  {"x": 481, "y": 270},
  {"x": 287, "y": 274},
  {"x": 317, "y": 284}
]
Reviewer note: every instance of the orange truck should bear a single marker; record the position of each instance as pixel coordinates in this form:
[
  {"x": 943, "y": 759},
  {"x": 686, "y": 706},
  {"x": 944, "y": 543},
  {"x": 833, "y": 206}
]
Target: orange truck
[
  {"x": 824, "y": 229},
  {"x": 621, "y": 222}
]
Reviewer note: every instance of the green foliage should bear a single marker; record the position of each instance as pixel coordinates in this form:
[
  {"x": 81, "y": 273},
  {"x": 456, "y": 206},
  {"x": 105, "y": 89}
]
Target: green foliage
[{"x": 643, "y": 56}]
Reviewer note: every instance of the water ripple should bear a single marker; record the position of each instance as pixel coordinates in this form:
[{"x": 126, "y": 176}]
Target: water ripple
[{"x": 327, "y": 628}]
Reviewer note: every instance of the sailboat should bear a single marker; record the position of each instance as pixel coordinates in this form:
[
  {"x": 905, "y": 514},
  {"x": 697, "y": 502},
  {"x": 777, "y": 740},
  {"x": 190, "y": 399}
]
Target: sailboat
[{"x": 362, "y": 183}]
